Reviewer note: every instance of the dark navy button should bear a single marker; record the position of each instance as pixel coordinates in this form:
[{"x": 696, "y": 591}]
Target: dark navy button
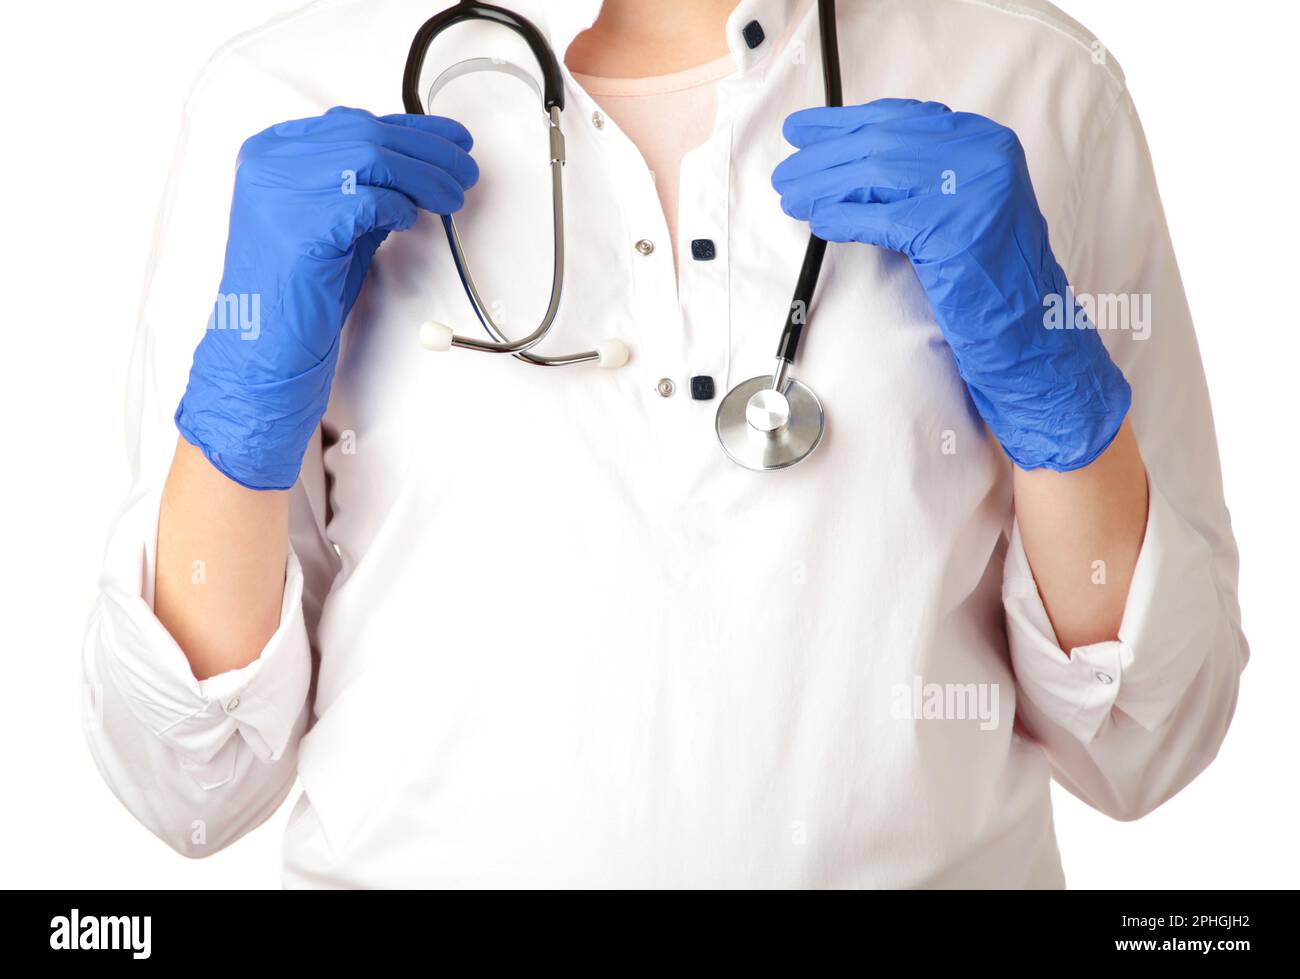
[
  {"x": 703, "y": 250},
  {"x": 702, "y": 387},
  {"x": 753, "y": 34}
]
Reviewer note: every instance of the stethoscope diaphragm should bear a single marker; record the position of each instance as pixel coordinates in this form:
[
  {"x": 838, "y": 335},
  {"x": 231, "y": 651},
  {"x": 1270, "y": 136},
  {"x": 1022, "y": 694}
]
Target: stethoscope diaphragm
[{"x": 763, "y": 429}]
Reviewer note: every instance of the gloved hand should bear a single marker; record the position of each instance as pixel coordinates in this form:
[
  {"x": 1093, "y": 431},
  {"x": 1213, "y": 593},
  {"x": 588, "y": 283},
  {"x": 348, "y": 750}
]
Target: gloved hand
[
  {"x": 951, "y": 191},
  {"x": 314, "y": 199}
]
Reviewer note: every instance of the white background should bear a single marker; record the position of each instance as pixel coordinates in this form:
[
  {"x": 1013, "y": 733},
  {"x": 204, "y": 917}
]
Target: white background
[{"x": 91, "y": 95}]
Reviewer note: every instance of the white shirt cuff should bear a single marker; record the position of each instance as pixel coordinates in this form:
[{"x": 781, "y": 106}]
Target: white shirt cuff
[{"x": 1170, "y": 620}]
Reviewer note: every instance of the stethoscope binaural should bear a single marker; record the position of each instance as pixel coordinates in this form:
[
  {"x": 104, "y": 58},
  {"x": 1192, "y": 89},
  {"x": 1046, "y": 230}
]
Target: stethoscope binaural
[{"x": 765, "y": 423}]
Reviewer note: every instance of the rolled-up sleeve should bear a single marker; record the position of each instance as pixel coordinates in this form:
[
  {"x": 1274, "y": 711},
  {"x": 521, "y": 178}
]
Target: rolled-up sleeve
[
  {"x": 1128, "y": 723},
  {"x": 198, "y": 762},
  {"x": 1161, "y": 647}
]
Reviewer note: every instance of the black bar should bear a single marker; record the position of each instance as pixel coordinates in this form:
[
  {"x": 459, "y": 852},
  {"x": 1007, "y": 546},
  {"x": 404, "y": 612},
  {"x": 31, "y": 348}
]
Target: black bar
[{"x": 1000, "y": 931}]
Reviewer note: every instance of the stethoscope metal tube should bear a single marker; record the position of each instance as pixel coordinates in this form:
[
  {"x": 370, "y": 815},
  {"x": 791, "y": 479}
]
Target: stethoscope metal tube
[{"x": 502, "y": 344}]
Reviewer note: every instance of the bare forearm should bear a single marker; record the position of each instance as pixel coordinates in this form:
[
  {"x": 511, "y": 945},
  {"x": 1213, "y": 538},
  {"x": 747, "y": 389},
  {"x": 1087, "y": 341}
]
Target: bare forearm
[
  {"x": 1082, "y": 532},
  {"x": 221, "y": 561}
]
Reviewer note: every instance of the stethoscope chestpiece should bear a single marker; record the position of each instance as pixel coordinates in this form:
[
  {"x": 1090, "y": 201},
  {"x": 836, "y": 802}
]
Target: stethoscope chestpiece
[{"x": 764, "y": 428}]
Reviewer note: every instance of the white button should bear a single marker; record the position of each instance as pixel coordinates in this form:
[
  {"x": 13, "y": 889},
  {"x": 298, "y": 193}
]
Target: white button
[
  {"x": 645, "y": 246},
  {"x": 233, "y": 705},
  {"x": 598, "y": 120},
  {"x": 1103, "y": 677},
  {"x": 665, "y": 387}
]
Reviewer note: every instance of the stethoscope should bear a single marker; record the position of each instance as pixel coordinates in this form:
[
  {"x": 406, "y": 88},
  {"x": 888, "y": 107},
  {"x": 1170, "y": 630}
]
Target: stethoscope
[{"x": 767, "y": 422}]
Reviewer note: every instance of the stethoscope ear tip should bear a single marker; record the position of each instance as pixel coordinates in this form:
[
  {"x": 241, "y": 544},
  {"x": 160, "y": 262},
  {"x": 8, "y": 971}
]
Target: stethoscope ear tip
[
  {"x": 435, "y": 336},
  {"x": 611, "y": 353}
]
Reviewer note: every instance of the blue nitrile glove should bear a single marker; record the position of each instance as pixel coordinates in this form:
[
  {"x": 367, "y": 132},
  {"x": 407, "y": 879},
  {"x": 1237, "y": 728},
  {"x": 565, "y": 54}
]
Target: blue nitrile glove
[
  {"x": 951, "y": 191},
  {"x": 313, "y": 200}
]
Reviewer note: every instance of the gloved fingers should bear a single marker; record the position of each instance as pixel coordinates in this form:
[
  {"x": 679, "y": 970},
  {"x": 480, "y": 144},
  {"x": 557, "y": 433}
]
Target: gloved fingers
[
  {"x": 421, "y": 145},
  {"x": 808, "y": 126},
  {"x": 351, "y": 218},
  {"x": 860, "y": 181},
  {"x": 816, "y": 157},
  {"x": 342, "y": 125},
  {"x": 448, "y": 129},
  {"x": 883, "y": 147},
  {"x": 884, "y": 225},
  {"x": 379, "y": 210},
  {"x": 427, "y": 184}
]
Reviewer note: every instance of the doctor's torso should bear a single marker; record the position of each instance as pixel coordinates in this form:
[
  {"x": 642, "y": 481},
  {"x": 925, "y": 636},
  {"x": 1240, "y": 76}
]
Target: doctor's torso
[{"x": 569, "y": 641}]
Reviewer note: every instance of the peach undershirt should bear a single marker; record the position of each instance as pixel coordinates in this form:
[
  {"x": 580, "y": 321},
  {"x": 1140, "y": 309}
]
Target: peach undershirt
[{"x": 666, "y": 117}]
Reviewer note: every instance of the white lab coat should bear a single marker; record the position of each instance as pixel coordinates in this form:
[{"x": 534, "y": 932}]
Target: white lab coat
[{"x": 537, "y": 630}]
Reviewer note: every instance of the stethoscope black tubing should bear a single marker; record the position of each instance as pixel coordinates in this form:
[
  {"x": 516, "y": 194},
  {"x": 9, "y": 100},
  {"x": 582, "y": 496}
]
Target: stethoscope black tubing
[
  {"x": 552, "y": 79},
  {"x": 816, "y": 251}
]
